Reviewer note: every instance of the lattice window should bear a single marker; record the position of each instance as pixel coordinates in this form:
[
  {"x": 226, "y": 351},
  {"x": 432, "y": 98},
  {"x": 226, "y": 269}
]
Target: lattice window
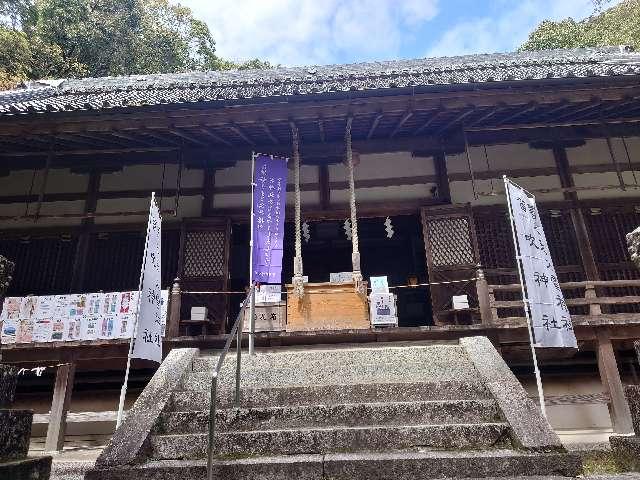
[
  {"x": 608, "y": 230},
  {"x": 450, "y": 240},
  {"x": 204, "y": 254},
  {"x": 43, "y": 265},
  {"x": 495, "y": 242}
]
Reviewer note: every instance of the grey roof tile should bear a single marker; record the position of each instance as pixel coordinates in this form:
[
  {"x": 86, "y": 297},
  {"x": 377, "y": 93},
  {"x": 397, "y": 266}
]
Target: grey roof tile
[{"x": 239, "y": 85}]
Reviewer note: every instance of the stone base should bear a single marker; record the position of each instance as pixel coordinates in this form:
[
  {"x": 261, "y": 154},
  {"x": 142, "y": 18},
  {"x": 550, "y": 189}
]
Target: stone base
[
  {"x": 627, "y": 447},
  {"x": 15, "y": 432},
  {"x": 36, "y": 468}
]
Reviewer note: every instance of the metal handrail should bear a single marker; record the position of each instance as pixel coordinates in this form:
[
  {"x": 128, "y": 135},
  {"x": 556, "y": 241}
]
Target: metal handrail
[{"x": 237, "y": 331}]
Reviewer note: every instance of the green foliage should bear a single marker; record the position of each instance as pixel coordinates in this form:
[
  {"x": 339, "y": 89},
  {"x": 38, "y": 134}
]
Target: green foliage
[
  {"x": 616, "y": 25},
  {"x": 72, "y": 38}
]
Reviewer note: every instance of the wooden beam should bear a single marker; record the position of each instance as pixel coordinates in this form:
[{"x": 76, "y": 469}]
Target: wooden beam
[
  {"x": 215, "y": 137},
  {"x": 323, "y": 136},
  {"x": 487, "y": 116},
  {"x": 269, "y": 133},
  {"x": 530, "y": 107},
  {"x": 238, "y": 131},
  {"x": 188, "y": 137},
  {"x": 407, "y": 115},
  {"x": 208, "y": 190},
  {"x": 583, "y": 238},
  {"x": 456, "y": 120},
  {"x": 440, "y": 164},
  {"x": 161, "y": 138},
  {"x": 570, "y": 115},
  {"x": 65, "y": 375},
  {"x": 374, "y": 125},
  {"x": 324, "y": 187},
  {"x": 131, "y": 138},
  {"x": 429, "y": 122},
  {"x": 612, "y": 383},
  {"x": 84, "y": 239}
]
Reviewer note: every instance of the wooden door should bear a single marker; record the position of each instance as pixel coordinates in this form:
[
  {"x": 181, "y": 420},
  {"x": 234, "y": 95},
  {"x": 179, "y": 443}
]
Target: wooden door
[
  {"x": 204, "y": 267},
  {"x": 452, "y": 257}
]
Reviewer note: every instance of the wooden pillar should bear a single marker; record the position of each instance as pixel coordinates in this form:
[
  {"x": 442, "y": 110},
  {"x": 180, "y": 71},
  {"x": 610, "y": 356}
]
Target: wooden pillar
[
  {"x": 324, "y": 187},
  {"x": 610, "y": 377},
  {"x": 577, "y": 217},
  {"x": 82, "y": 249},
  {"x": 59, "y": 407},
  {"x": 484, "y": 304},
  {"x": 175, "y": 303},
  {"x": 442, "y": 176},
  {"x": 208, "y": 189}
]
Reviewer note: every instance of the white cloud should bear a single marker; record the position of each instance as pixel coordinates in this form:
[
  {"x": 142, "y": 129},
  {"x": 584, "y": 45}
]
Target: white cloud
[
  {"x": 507, "y": 30},
  {"x": 295, "y": 32}
]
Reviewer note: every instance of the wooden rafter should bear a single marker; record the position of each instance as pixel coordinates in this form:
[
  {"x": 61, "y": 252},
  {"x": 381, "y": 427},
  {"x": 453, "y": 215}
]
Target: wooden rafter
[
  {"x": 374, "y": 124},
  {"x": 161, "y": 138},
  {"x": 323, "y": 136},
  {"x": 131, "y": 138},
  {"x": 488, "y": 115},
  {"x": 456, "y": 120},
  {"x": 269, "y": 133},
  {"x": 215, "y": 137},
  {"x": 188, "y": 137},
  {"x": 102, "y": 140},
  {"x": 528, "y": 108},
  {"x": 407, "y": 115},
  {"x": 571, "y": 114},
  {"x": 238, "y": 131},
  {"x": 429, "y": 122}
]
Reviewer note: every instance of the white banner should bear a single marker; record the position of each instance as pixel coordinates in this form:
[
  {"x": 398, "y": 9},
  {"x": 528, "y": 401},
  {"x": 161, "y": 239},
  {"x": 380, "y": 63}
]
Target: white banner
[
  {"x": 148, "y": 341},
  {"x": 550, "y": 318}
]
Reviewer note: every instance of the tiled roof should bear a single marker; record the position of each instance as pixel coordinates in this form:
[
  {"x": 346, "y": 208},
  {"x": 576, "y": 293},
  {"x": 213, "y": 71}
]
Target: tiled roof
[{"x": 240, "y": 86}]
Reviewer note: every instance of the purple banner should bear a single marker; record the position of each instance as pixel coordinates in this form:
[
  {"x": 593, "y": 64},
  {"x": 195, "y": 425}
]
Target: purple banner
[{"x": 269, "y": 200}]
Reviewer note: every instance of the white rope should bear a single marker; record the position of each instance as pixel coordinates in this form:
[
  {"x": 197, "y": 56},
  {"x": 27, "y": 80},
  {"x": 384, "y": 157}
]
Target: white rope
[
  {"x": 355, "y": 255},
  {"x": 298, "y": 282}
]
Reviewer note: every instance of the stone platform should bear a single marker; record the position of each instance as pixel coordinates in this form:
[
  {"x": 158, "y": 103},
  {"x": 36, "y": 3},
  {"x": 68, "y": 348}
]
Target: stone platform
[{"x": 447, "y": 409}]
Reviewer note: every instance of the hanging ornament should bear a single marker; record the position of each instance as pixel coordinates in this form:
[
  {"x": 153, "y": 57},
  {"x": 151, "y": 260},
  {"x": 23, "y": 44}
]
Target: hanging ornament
[
  {"x": 306, "y": 232},
  {"x": 347, "y": 229},
  {"x": 388, "y": 227}
]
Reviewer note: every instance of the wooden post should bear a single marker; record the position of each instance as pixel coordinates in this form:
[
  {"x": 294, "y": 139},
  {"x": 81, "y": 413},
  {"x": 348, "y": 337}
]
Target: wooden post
[
  {"x": 577, "y": 218},
  {"x": 175, "y": 303},
  {"x": 59, "y": 407},
  {"x": 610, "y": 377},
  {"x": 440, "y": 164},
  {"x": 82, "y": 249},
  {"x": 208, "y": 190},
  {"x": 590, "y": 294},
  {"x": 324, "y": 187},
  {"x": 484, "y": 304}
]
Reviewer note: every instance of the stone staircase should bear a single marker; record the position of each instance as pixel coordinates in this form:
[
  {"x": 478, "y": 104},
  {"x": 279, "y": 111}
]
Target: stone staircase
[{"x": 371, "y": 412}]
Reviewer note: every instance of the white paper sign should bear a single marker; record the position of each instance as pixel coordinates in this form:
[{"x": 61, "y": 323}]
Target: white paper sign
[
  {"x": 382, "y": 309},
  {"x": 42, "y": 329},
  {"x": 550, "y": 318},
  {"x": 379, "y": 284},
  {"x": 268, "y": 294},
  {"x": 341, "y": 277},
  {"x": 148, "y": 341}
]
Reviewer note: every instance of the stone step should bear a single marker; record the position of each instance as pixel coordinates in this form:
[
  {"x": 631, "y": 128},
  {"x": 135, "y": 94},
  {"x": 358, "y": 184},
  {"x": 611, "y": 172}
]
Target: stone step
[
  {"x": 360, "y": 466},
  {"x": 346, "y": 415},
  {"x": 196, "y": 397},
  {"x": 324, "y": 440},
  {"x": 341, "y": 365}
]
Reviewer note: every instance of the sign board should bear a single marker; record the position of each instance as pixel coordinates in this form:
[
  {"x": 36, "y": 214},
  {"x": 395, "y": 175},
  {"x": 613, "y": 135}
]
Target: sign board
[
  {"x": 268, "y": 294},
  {"x": 341, "y": 277},
  {"x": 379, "y": 284},
  {"x": 382, "y": 309},
  {"x": 550, "y": 318}
]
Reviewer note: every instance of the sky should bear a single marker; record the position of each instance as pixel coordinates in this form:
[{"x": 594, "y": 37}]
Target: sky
[{"x": 316, "y": 32}]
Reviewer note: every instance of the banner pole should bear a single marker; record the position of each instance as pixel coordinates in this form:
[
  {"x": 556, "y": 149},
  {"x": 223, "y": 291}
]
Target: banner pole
[
  {"x": 134, "y": 333},
  {"x": 525, "y": 300},
  {"x": 252, "y": 320}
]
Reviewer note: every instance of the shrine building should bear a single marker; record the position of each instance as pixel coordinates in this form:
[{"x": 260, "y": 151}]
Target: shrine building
[{"x": 428, "y": 140}]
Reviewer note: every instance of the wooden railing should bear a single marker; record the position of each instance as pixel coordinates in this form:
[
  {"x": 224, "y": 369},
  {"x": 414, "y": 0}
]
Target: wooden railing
[{"x": 595, "y": 302}]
